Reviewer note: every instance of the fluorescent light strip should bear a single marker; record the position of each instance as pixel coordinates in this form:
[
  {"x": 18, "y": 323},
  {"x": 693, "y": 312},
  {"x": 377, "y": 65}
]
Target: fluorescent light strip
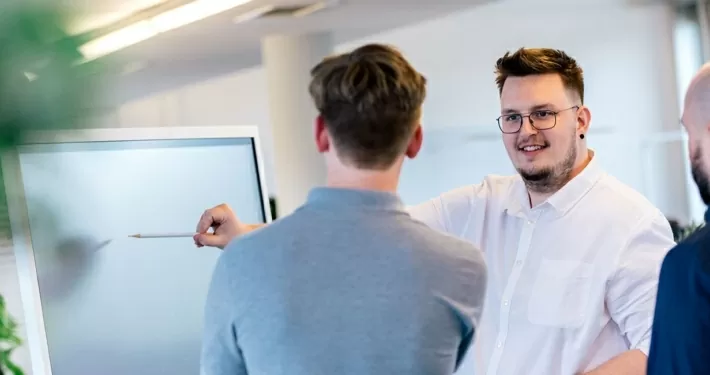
[
  {"x": 310, "y": 9},
  {"x": 253, "y": 14},
  {"x": 118, "y": 39},
  {"x": 103, "y": 19},
  {"x": 170, "y": 20}
]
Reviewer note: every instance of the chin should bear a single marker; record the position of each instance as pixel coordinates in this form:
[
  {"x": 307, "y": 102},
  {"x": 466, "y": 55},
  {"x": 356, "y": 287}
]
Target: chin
[{"x": 531, "y": 167}]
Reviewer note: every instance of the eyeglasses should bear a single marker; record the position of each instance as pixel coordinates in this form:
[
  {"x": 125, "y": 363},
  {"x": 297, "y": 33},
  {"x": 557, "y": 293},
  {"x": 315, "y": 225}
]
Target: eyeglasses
[{"x": 540, "y": 120}]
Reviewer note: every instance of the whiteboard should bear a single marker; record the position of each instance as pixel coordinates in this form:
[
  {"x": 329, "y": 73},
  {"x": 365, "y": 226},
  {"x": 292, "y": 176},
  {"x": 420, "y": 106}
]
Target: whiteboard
[{"x": 95, "y": 300}]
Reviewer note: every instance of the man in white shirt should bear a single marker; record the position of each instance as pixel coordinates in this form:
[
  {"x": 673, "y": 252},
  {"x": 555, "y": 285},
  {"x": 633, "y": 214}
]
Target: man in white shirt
[{"x": 573, "y": 254}]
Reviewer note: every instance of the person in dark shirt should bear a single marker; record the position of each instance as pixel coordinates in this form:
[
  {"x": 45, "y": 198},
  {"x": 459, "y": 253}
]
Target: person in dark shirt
[{"x": 680, "y": 339}]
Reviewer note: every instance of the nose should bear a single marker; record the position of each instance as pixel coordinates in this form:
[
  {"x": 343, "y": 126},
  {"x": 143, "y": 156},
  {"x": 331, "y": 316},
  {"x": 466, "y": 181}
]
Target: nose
[{"x": 527, "y": 126}]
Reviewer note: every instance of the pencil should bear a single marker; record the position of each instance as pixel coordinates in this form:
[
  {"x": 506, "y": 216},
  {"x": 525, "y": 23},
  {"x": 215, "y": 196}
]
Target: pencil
[{"x": 162, "y": 235}]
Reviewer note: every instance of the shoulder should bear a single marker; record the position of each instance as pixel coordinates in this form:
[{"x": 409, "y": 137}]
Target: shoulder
[
  {"x": 698, "y": 244},
  {"x": 627, "y": 212},
  {"x": 678, "y": 259},
  {"x": 684, "y": 269},
  {"x": 447, "y": 251},
  {"x": 455, "y": 206},
  {"x": 457, "y": 248},
  {"x": 263, "y": 241},
  {"x": 625, "y": 202}
]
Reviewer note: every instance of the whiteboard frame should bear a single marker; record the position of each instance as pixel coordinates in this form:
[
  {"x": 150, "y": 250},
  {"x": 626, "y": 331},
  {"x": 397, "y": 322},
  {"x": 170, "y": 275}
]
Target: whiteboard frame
[{"x": 19, "y": 215}]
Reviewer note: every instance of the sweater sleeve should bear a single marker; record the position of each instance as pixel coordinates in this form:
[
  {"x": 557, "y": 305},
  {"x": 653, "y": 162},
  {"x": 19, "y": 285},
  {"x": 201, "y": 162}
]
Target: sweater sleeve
[{"x": 221, "y": 354}]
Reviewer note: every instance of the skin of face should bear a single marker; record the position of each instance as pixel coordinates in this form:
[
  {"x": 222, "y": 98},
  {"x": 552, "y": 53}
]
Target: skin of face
[
  {"x": 547, "y": 169},
  {"x": 696, "y": 122}
]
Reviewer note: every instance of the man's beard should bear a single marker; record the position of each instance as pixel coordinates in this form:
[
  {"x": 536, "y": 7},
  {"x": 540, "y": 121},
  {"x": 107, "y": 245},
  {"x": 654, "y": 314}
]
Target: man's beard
[
  {"x": 701, "y": 177},
  {"x": 550, "y": 179}
]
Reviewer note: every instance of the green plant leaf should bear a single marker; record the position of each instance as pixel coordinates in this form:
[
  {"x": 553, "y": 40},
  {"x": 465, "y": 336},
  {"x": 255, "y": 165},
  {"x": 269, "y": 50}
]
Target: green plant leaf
[
  {"x": 43, "y": 86},
  {"x": 7, "y": 364}
]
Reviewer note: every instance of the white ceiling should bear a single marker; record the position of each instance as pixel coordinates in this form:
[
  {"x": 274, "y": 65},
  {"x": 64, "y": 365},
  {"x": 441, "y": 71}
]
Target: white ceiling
[{"x": 217, "y": 45}]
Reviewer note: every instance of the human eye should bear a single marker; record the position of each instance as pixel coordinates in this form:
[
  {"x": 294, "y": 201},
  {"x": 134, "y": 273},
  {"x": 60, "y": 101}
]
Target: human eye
[
  {"x": 514, "y": 117},
  {"x": 543, "y": 115}
]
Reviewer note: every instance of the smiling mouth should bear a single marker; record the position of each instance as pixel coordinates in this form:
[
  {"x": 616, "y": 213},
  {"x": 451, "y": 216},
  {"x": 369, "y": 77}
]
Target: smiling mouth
[{"x": 531, "y": 148}]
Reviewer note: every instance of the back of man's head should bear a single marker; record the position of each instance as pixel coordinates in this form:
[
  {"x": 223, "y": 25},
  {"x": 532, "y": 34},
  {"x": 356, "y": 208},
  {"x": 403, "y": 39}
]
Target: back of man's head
[
  {"x": 370, "y": 101},
  {"x": 696, "y": 120}
]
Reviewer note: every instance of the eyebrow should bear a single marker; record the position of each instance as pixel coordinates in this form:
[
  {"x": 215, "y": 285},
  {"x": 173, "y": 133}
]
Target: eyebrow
[{"x": 538, "y": 107}]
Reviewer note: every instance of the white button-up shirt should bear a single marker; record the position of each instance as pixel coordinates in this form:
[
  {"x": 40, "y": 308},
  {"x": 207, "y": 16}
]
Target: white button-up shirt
[{"x": 572, "y": 282}]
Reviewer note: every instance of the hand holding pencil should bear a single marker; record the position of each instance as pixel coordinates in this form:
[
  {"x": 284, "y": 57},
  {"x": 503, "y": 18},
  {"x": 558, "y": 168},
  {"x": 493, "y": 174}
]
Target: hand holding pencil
[
  {"x": 221, "y": 219},
  {"x": 224, "y": 223}
]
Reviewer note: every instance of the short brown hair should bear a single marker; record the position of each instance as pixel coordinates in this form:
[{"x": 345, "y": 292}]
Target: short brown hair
[
  {"x": 531, "y": 61},
  {"x": 370, "y": 100}
]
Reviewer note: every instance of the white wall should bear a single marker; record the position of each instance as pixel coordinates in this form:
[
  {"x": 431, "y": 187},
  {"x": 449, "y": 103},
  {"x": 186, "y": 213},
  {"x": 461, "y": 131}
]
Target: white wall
[
  {"x": 626, "y": 52},
  {"x": 627, "y": 55}
]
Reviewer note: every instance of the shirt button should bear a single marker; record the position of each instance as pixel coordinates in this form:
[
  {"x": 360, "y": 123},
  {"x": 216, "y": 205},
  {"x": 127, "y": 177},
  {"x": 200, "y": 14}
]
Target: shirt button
[
  {"x": 518, "y": 262},
  {"x": 530, "y": 222},
  {"x": 505, "y": 302},
  {"x": 500, "y": 344}
]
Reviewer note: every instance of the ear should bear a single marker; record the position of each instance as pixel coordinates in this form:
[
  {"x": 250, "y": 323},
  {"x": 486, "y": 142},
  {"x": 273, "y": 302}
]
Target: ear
[
  {"x": 322, "y": 137},
  {"x": 584, "y": 118},
  {"x": 415, "y": 144}
]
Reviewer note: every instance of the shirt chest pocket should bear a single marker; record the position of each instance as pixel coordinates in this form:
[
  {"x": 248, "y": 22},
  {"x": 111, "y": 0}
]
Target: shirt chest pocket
[{"x": 560, "y": 293}]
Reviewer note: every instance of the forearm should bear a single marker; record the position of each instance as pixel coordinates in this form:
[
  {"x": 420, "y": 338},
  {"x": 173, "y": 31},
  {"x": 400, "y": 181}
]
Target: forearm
[
  {"x": 632, "y": 362},
  {"x": 251, "y": 227}
]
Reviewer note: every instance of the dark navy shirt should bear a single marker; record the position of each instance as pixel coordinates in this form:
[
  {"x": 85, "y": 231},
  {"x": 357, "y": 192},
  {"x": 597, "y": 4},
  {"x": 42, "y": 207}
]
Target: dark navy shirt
[{"x": 680, "y": 341}]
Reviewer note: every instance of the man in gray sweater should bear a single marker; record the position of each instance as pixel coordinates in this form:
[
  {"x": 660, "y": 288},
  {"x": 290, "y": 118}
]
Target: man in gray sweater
[{"x": 348, "y": 284}]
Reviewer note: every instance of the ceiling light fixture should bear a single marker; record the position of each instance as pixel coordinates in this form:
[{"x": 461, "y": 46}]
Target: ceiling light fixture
[
  {"x": 253, "y": 14},
  {"x": 312, "y": 8},
  {"x": 146, "y": 29},
  {"x": 106, "y": 17}
]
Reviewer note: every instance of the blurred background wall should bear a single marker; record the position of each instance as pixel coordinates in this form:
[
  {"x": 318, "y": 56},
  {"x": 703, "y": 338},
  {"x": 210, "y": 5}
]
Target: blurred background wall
[{"x": 633, "y": 54}]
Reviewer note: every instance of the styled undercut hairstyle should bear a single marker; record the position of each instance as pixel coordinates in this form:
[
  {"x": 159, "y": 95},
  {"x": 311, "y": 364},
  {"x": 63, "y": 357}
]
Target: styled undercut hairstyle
[
  {"x": 533, "y": 61},
  {"x": 370, "y": 100}
]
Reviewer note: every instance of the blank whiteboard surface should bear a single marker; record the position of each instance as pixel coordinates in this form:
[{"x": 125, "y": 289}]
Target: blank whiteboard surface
[{"x": 131, "y": 306}]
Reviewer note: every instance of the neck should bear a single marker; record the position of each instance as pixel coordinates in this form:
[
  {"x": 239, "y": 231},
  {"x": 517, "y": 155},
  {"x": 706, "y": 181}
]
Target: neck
[
  {"x": 537, "y": 198},
  {"x": 364, "y": 180}
]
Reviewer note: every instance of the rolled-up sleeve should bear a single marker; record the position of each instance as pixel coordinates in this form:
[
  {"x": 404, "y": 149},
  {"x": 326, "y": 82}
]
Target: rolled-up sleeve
[{"x": 632, "y": 290}]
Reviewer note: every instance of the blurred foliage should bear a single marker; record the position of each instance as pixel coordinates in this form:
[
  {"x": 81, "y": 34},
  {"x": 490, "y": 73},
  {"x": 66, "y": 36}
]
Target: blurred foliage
[
  {"x": 689, "y": 230},
  {"x": 8, "y": 341},
  {"x": 43, "y": 86}
]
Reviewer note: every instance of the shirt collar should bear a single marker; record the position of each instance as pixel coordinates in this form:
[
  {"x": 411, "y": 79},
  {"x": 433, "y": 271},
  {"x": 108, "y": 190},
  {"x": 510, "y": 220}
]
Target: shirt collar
[
  {"x": 355, "y": 198},
  {"x": 565, "y": 198}
]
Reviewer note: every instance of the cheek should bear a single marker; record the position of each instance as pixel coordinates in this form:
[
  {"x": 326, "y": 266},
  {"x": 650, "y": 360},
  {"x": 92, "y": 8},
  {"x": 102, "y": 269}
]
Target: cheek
[
  {"x": 560, "y": 140},
  {"x": 692, "y": 150},
  {"x": 704, "y": 150},
  {"x": 510, "y": 141},
  {"x": 693, "y": 146}
]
